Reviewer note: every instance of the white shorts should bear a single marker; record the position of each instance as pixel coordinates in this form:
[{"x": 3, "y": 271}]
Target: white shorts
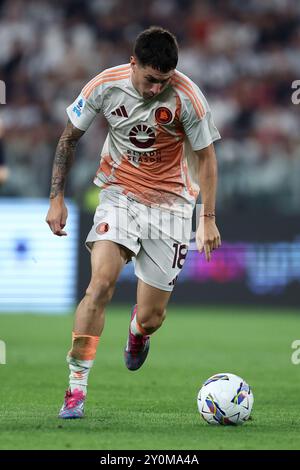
[{"x": 157, "y": 238}]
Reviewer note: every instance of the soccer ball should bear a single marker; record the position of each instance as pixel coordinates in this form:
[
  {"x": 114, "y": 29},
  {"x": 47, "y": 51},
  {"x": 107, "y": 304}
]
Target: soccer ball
[{"x": 225, "y": 399}]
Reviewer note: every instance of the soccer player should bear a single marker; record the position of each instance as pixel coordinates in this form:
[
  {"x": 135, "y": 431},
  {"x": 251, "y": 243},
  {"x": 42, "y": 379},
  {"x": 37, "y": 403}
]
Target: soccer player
[{"x": 158, "y": 152}]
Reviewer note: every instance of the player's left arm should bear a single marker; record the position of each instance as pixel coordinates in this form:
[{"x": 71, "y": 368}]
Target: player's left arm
[
  {"x": 207, "y": 236},
  {"x": 200, "y": 129}
]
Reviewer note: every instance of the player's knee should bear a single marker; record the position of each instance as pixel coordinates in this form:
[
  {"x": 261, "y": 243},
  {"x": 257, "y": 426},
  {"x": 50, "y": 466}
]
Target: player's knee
[{"x": 100, "y": 291}]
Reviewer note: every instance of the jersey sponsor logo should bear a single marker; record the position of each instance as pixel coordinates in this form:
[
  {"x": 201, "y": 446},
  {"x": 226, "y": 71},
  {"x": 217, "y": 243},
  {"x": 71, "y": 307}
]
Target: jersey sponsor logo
[
  {"x": 121, "y": 111},
  {"x": 153, "y": 156},
  {"x": 77, "y": 109},
  {"x": 163, "y": 115},
  {"x": 102, "y": 228},
  {"x": 142, "y": 136},
  {"x": 143, "y": 159}
]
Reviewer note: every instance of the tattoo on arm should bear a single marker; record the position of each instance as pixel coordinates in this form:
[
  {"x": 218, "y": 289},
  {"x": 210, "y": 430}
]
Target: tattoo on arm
[{"x": 64, "y": 157}]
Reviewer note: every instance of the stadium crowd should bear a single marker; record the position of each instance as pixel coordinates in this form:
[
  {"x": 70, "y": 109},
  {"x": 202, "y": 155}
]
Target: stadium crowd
[{"x": 243, "y": 55}]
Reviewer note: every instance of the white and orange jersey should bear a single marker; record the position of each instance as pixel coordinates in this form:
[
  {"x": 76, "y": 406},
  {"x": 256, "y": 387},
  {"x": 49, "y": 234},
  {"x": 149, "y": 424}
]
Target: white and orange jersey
[{"x": 149, "y": 150}]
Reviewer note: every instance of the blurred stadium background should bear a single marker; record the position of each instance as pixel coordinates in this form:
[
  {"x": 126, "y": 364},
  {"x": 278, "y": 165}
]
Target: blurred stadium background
[{"x": 244, "y": 56}]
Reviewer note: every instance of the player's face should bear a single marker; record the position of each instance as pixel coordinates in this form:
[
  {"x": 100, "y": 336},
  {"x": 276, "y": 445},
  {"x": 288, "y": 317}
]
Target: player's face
[{"x": 148, "y": 81}]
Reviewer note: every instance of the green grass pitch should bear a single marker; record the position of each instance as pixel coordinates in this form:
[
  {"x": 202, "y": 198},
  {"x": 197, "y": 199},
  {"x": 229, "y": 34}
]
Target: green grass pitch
[{"x": 155, "y": 407}]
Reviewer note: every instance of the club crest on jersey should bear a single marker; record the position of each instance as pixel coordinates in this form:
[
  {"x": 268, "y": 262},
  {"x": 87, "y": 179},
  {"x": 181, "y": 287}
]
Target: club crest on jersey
[
  {"x": 163, "y": 115},
  {"x": 142, "y": 136},
  {"x": 77, "y": 109}
]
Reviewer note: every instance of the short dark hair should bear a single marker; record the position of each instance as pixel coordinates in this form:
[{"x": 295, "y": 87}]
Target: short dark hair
[{"x": 158, "y": 48}]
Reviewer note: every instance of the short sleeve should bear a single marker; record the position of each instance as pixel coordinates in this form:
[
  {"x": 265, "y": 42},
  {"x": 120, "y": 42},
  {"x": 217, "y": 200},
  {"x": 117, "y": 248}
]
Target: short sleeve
[
  {"x": 83, "y": 110},
  {"x": 197, "y": 120}
]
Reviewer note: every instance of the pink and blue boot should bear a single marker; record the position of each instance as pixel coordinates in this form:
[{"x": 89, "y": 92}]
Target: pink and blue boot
[
  {"x": 137, "y": 347},
  {"x": 73, "y": 406}
]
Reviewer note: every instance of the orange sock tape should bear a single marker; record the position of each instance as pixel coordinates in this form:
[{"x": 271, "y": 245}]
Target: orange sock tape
[
  {"x": 84, "y": 347},
  {"x": 141, "y": 329}
]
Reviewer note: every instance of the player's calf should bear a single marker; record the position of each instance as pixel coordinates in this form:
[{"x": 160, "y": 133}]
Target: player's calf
[{"x": 153, "y": 320}]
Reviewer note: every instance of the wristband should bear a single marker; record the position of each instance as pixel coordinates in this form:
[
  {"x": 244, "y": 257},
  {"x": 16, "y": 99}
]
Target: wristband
[{"x": 210, "y": 214}]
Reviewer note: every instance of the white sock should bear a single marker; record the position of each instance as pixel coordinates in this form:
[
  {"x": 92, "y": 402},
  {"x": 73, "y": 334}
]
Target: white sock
[
  {"x": 79, "y": 373},
  {"x": 134, "y": 327}
]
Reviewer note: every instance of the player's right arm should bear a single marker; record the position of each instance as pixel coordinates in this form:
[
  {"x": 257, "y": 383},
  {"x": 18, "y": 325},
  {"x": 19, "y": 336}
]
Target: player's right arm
[
  {"x": 82, "y": 113},
  {"x": 64, "y": 157}
]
